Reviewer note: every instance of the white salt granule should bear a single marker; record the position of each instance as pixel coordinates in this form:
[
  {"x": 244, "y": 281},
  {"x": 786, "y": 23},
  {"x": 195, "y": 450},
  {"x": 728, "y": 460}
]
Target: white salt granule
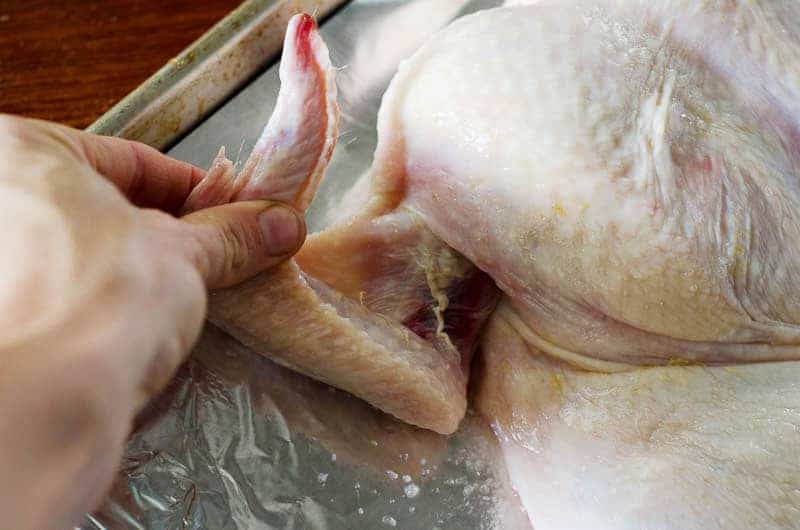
[{"x": 411, "y": 490}]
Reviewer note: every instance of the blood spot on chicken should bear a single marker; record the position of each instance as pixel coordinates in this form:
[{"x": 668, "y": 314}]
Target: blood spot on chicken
[{"x": 306, "y": 25}]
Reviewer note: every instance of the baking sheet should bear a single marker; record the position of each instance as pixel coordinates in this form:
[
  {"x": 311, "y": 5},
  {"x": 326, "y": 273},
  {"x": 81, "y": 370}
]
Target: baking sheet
[
  {"x": 191, "y": 85},
  {"x": 238, "y": 442}
]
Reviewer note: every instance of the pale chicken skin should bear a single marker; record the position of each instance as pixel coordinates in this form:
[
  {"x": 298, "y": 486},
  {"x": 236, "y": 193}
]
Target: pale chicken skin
[
  {"x": 628, "y": 196},
  {"x": 365, "y": 313},
  {"x": 610, "y": 189}
]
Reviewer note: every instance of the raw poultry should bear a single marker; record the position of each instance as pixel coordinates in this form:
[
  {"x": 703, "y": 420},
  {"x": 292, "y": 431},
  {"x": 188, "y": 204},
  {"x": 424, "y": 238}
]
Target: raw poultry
[{"x": 608, "y": 190}]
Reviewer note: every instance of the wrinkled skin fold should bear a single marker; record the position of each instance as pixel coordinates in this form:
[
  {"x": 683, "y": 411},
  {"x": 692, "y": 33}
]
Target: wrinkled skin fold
[{"x": 609, "y": 189}]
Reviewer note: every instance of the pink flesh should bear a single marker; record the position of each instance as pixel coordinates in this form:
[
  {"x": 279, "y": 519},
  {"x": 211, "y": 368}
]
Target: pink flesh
[
  {"x": 381, "y": 337},
  {"x": 290, "y": 157},
  {"x": 394, "y": 266}
]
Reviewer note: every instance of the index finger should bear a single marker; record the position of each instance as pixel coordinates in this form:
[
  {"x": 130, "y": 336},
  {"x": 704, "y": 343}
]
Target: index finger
[{"x": 147, "y": 177}]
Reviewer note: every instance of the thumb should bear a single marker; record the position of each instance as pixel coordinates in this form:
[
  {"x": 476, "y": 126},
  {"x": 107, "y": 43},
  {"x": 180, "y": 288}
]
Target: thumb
[{"x": 237, "y": 241}]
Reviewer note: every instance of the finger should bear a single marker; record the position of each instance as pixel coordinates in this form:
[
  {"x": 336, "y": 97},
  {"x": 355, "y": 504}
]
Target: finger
[
  {"x": 145, "y": 176},
  {"x": 234, "y": 242}
]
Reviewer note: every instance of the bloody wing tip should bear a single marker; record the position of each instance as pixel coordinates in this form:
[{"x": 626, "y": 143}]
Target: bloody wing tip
[
  {"x": 305, "y": 27},
  {"x": 305, "y": 24}
]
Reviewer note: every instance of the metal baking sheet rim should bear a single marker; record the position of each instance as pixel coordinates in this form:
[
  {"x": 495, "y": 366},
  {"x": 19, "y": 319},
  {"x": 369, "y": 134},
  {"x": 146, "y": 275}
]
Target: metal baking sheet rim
[{"x": 214, "y": 67}]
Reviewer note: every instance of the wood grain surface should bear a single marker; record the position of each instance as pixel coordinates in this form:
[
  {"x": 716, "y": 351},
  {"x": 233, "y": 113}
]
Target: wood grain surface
[{"x": 71, "y": 60}]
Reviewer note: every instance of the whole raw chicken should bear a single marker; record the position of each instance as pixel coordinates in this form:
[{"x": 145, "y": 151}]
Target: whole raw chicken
[{"x": 602, "y": 197}]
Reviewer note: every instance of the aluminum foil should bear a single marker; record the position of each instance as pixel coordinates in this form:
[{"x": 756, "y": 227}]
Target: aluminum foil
[{"x": 237, "y": 442}]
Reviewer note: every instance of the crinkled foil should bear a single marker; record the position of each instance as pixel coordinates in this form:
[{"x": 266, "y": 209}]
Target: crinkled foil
[{"x": 237, "y": 442}]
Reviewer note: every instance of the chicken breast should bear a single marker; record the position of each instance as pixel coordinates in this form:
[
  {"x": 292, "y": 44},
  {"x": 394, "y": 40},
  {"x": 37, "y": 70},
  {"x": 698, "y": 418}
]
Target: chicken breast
[
  {"x": 662, "y": 448},
  {"x": 626, "y": 173},
  {"x": 624, "y": 190}
]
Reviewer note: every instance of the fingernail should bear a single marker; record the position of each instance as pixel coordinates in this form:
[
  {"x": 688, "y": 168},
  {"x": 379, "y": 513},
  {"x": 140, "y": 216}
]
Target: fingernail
[{"x": 281, "y": 230}]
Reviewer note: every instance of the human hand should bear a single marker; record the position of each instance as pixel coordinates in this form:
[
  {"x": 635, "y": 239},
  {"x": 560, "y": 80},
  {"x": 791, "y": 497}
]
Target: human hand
[{"x": 102, "y": 294}]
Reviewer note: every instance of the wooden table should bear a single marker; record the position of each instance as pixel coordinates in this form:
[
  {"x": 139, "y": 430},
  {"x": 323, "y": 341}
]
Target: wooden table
[{"x": 71, "y": 60}]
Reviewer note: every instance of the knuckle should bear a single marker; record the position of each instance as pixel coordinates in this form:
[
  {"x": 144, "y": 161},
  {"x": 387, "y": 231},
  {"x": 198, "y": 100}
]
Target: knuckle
[
  {"x": 238, "y": 244},
  {"x": 10, "y": 125},
  {"x": 15, "y": 129},
  {"x": 37, "y": 135}
]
